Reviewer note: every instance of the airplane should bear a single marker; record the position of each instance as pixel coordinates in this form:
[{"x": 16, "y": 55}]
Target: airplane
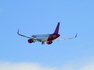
[{"x": 48, "y": 38}]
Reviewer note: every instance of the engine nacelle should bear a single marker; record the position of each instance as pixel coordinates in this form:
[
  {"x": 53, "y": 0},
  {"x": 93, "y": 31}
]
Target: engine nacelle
[
  {"x": 30, "y": 41},
  {"x": 49, "y": 42}
]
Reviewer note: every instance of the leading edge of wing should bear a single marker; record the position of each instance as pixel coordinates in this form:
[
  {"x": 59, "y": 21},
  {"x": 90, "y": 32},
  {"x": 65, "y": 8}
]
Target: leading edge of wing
[
  {"x": 68, "y": 38},
  {"x": 24, "y": 35}
]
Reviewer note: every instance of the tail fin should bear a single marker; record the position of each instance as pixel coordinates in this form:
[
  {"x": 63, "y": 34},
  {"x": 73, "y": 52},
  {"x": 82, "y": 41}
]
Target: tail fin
[{"x": 57, "y": 28}]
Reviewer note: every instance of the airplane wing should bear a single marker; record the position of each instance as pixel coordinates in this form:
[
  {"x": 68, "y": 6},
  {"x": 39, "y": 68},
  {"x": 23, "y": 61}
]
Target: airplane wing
[
  {"x": 25, "y": 36},
  {"x": 67, "y": 38}
]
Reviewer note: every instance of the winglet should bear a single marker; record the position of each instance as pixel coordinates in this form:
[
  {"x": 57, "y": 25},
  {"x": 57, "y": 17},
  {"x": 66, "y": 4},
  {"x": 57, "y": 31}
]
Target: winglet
[
  {"x": 76, "y": 35},
  {"x": 18, "y": 31}
]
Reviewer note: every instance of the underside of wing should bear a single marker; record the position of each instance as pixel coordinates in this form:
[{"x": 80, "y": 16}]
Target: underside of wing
[
  {"x": 67, "y": 38},
  {"x": 24, "y": 35}
]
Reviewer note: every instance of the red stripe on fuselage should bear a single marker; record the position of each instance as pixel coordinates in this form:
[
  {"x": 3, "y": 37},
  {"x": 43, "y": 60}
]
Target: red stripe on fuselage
[{"x": 53, "y": 36}]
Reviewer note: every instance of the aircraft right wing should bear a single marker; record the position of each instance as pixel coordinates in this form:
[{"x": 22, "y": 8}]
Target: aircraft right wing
[
  {"x": 25, "y": 36},
  {"x": 67, "y": 38}
]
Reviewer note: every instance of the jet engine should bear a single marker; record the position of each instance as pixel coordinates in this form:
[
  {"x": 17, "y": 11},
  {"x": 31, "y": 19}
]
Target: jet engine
[
  {"x": 49, "y": 42},
  {"x": 30, "y": 41}
]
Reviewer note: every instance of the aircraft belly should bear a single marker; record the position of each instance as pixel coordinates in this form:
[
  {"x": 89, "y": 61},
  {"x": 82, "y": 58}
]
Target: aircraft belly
[{"x": 42, "y": 39}]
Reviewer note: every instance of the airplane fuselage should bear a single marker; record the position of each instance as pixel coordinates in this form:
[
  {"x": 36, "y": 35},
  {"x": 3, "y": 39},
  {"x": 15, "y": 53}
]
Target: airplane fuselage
[{"x": 44, "y": 37}]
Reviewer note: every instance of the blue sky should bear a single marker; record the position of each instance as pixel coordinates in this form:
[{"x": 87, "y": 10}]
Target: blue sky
[{"x": 40, "y": 17}]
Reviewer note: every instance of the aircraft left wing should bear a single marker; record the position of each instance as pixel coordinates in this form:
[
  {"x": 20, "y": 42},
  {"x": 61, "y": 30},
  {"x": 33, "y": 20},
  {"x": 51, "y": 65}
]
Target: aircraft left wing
[
  {"x": 67, "y": 38},
  {"x": 25, "y": 36}
]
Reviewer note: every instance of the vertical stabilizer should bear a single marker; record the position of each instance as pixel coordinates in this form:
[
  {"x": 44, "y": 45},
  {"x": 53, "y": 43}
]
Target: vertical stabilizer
[{"x": 57, "y": 28}]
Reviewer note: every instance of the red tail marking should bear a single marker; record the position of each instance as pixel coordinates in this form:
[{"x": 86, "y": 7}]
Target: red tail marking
[{"x": 57, "y": 28}]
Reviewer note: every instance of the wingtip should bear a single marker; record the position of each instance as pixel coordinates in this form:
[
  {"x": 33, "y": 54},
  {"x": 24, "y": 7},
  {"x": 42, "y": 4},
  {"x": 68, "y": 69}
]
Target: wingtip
[
  {"x": 76, "y": 35},
  {"x": 18, "y": 31}
]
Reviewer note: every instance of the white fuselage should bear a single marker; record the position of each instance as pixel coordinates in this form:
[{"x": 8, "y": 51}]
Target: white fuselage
[{"x": 42, "y": 37}]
